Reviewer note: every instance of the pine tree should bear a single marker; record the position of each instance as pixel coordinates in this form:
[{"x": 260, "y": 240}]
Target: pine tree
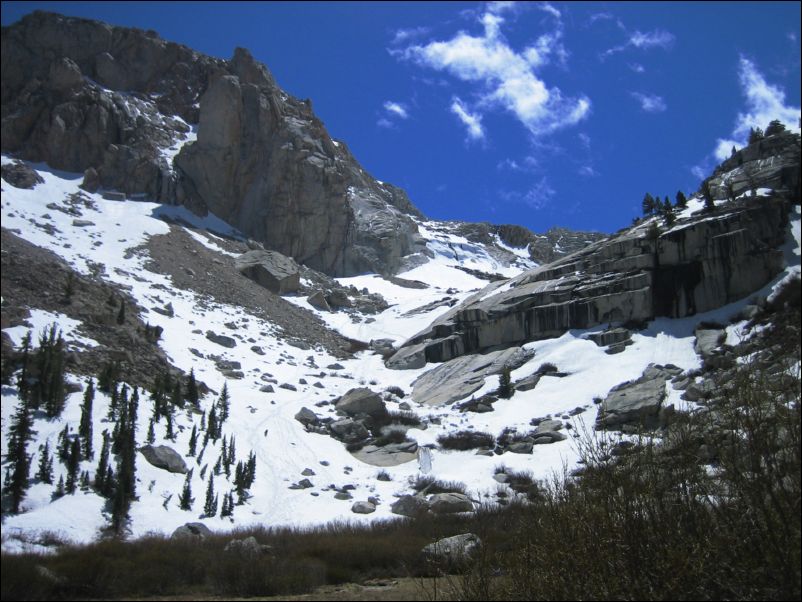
[
  {"x": 192, "y": 389},
  {"x": 63, "y": 445},
  {"x": 59, "y": 492},
  {"x": 22, "y": 384},
  {"x": 707, "y": 195},
  {"x": 73, "y": 465},
  {"x": 648, "y": 204},
  {"x": 193, "y": 440},
  {"x": 210, "y": 507},
  {"x": 85, "y": 480},
  {"x": 151, "y": 436},
  {"x": 505, "y": 389},
  {"x": 224, "y": 403},
  {"x": 168, "y": 427},
  {"x": 185, "y": 500},
  {"x": 103, "y": 464},
  {"x": 85, "y": 428},
  {"x": 20, "y": 432},
  {"x": 755, "y": 135},
  {"x": 670, "y": 218},
  {"x": 45, "y": 471},
  {"x": 681, "y": 200},
  {"x": 775, "y": 127}
]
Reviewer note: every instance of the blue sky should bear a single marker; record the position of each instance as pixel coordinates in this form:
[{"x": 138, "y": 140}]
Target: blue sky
[{"x": 540, "y": 114}]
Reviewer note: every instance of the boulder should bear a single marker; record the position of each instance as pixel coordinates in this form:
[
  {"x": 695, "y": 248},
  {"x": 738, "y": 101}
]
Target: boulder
[
  {"x": 192, "y": 530},
  {"x": 452, "y": 553},
  {"x": 164, "y": 457},
  {"x": 361, "y": 401},
  {"x": 363, "y": 508},
  {"x": 19, "y": 175},
  {"x": 247, "y": 548},
  {"x": 270, "y": 269},
  {"x": 409, "y": 505},
  {"x": 636, "y": 402},
  {"x": 449, "y": 503},
  {"x": 318, "y": 300},
  {"x": 708, "y": 340},
  {"x": 307, "y": 417},
  {"x": 348, "y": 430},
  {"x": 221, "y": 339}
]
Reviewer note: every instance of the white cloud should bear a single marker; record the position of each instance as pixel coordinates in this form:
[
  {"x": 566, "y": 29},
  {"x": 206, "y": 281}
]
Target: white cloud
[
  {"x": 537, "y": 197},
  {"x": 764, "y": 103},
  {"x": 527, "y": 164},
  {"x": 587, "y": 171},
  {"x": 637, "y": 67},
  {"x": 385, "y": 123},
  {"x": 653, "y": 39},
  {"x": 404, "y": 35},
  {"x": 548, "y": 8},
  {"x": 506, "y": 78},
  {"x": 397, "y": 109},
  {"x": 658, "y": 38},
  {"x": 650, "y": 103},
  {"x": 472, "y": 121}
]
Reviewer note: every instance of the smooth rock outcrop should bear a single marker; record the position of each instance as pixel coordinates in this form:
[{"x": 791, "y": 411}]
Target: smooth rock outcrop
[{"x": 458, "y": 378}]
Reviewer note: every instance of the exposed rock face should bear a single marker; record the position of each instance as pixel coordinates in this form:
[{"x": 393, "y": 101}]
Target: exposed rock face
[
  {"x": 772, "y": 162},
  {"x": 82, "y": 94},
  {"x": 702, "y": 263},
  {"x": 265, "y": 164},
  {"x": 543, "y": 248},
  {"x": 274, "y": 271},
  {"x": 162, "y": 456},
  {"x": 462, "y": 376}
]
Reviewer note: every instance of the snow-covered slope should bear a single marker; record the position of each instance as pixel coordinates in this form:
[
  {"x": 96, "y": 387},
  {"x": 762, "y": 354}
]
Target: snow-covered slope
[{"x": 106, "y": 239}]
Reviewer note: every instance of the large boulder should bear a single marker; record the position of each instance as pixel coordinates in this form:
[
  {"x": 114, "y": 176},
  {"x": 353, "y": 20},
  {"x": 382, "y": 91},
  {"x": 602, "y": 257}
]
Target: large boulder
[
  {"x": 361, "y": 401},
  {"x": 409, "y": 505},
  {"x": 164, "y": 457},
  {"x": 449, "y": 503},
  {"x": 452, "y": 553},
  {"x": 192, "y": 531},
  {"x": 638, "y": 402},
  {"x": 270, "y": 269},
  {"x": 348, "y": 430}
]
